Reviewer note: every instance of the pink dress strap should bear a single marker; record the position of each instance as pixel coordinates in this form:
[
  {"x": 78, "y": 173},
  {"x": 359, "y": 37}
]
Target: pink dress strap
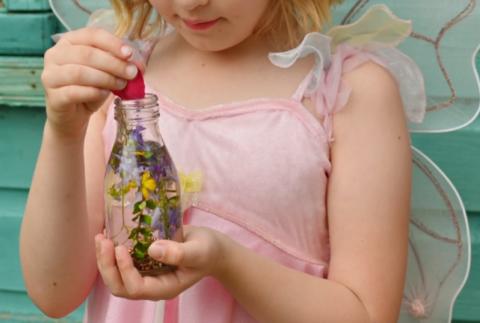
[{"x": 325, "y": 85}]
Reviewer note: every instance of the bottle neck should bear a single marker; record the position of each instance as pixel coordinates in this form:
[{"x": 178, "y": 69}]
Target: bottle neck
[{"x": 133, "y": 113}]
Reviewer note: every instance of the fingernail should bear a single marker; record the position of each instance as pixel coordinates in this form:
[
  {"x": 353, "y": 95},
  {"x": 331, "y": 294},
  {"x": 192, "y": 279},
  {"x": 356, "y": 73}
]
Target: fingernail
[
  {"x": 131, "y": 70},
  {"x": 121, "y": 84},
  {"x": 156, "y": 251},
  {"x": 126, "y": 50}
]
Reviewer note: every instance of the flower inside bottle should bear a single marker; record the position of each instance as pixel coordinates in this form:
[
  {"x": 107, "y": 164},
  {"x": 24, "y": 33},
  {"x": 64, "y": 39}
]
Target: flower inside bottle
[{"x": 142, "y": 187}]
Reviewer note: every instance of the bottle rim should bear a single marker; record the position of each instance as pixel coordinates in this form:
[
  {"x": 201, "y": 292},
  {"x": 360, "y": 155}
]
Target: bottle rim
[
  {"x": 150, "y": 100},
  {"x": 137, "y": 111}
]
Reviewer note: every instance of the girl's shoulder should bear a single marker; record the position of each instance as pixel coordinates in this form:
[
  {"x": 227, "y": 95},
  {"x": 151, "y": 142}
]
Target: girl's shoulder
[{"x": 358, "y": 51}]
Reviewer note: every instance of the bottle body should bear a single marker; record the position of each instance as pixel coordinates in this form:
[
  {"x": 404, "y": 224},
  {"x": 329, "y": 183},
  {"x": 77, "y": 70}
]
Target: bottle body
[{"x": 142, "y": 189}]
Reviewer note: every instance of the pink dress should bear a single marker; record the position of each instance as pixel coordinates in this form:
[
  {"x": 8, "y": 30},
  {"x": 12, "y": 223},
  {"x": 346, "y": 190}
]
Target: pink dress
[{"x": 265, "y": 164}]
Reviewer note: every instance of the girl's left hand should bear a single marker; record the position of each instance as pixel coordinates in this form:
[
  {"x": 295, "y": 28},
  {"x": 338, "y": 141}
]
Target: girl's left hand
[{"x": 200, "y": 255}]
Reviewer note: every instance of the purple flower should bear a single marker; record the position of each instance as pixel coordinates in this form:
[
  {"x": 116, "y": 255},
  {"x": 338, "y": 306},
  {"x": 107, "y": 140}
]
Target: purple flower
[
  {"x": 128, "y": 169},
  {"x": 157, "y": 171},
  {"x": 174, "y": 216},
  {"x": 157, "y": 222},
  {"x": 175, "y": 220},
  {"x": 137, "y": 135}
]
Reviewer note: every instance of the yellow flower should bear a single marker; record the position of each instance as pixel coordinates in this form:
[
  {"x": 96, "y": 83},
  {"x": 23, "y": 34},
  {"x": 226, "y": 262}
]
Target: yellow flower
[
  {"x": 148, "y": 184},
  {"x": 191, "y": 183}
]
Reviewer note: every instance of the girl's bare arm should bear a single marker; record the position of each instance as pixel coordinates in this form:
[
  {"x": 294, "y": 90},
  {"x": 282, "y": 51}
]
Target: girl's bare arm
[
  {"x": 368, "y": 212},
  {"x": 62, "y": 215},
  {"x": 64, "y": 208}
]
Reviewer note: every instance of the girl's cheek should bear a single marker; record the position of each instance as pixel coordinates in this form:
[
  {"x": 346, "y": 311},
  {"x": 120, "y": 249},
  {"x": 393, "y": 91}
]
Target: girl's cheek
[{"x": 163, "y": 7}]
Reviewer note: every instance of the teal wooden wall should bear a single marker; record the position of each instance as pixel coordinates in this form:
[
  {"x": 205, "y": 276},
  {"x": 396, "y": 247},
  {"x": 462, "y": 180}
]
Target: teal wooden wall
[
  {"x": 21, "y": 121},
  {"x": 25, "y": 29}
]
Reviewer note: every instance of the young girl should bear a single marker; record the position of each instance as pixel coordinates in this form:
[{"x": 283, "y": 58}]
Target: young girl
[{"x": 303, "y": 215}]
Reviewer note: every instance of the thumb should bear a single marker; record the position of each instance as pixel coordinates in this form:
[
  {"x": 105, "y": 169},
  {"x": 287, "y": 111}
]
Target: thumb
[{"x": 175, "y": 253}]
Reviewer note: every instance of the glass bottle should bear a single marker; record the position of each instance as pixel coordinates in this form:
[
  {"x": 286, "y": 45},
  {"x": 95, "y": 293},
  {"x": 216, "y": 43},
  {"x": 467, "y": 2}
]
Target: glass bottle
[{"x": 142, "y": 190}]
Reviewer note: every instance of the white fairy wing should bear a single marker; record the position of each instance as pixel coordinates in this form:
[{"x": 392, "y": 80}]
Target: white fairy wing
[
  {"x": 439, "y": 246},
  {"x": 444, "y": 47},
  {"x": 74, "y": 14}
]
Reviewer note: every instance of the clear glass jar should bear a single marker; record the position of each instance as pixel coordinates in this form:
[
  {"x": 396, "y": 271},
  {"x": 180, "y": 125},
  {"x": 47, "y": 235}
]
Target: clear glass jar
[{"x": 142, "y": 189}]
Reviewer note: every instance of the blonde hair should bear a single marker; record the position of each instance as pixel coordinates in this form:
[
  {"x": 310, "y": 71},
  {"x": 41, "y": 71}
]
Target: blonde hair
[{"x": 285, "y": 22}]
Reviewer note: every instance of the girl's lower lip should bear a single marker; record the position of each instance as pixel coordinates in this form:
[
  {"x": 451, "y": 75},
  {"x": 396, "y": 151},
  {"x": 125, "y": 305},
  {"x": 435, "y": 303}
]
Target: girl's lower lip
[{"x": 200, "y": 25}]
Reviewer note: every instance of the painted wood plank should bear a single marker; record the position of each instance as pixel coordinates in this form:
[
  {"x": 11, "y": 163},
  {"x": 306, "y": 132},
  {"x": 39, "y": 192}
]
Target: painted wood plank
[
  {"x": 26, "y": 33},
  {"x": 15, "y": 306},
  {"x": 20, "y": 82},
  {"x": 27, "y": 5},
  {"x": 458, "y": 155},
  {"x": 20, "y": 138},
  {"x": 467, "y": 307},
  {"x": 11, "y": 278}
]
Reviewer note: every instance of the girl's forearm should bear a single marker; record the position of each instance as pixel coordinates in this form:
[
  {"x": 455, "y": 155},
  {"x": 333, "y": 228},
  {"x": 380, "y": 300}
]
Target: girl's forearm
[
  {"x": 271, "y": 292},
  {"x": 56, "y": 243}
]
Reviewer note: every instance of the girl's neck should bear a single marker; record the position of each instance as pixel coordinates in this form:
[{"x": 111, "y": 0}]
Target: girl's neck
[{"x": 248, "y": 49}]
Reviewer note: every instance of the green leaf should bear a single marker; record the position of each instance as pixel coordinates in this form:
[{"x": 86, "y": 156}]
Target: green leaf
[
  {"x": 151, "y": 204},
  {"x": 133, "y": 234},
  {"x": 139, "y": 254},
  {"x": 142, "y": 247},
  {"x": 147, "y": 219},
  {"x": 136, "y": 207},
  {"x": 163, "y": 203},
  {"x": 148, "y": 237},
  {"x": 148, "y": 154},
  {"x": 113, "y": 192},
  {"x": 173, "y": 201},
  {"x": 144, "y": 231}
]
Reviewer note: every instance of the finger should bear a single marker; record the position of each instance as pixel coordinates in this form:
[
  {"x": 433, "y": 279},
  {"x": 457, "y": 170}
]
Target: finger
[
  {"x": 95, "y": 58},
  {"x": 75, "y": 94},
  {"x": 98, "y": 38},
  {"x": 107, "y": 266},
  {"x": 187, "y": 254},
  {"x": 164, "y": 286},
  {"x": 71, "y": 74},
  {"x": 167, "y": 286},
  {"x": 132, "y": 280}
]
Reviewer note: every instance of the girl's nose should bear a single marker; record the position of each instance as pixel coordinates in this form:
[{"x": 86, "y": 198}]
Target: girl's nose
[{"x": 190, "y": 4}]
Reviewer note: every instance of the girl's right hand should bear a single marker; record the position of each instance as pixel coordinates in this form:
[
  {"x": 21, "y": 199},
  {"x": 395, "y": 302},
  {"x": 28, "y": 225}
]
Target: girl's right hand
[{"x": 79, "y": 73}]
